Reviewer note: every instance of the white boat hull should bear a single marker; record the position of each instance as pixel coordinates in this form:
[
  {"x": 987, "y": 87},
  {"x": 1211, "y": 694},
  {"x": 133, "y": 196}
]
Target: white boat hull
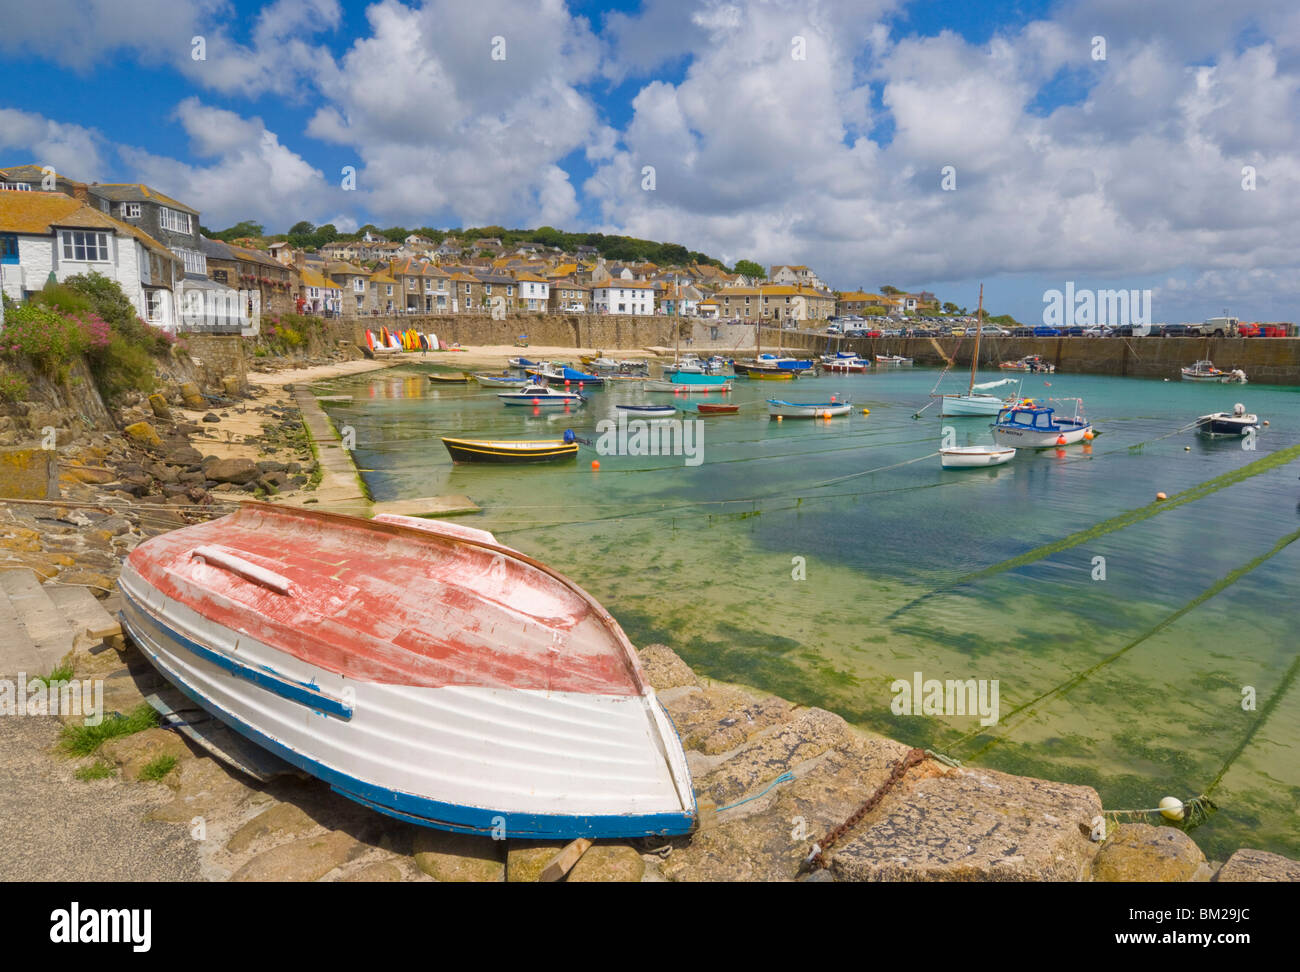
[
  {"x": 975, "y": 457},
  {"x": 810, "y": 410},
  {"x": 971, "y": 405},
  {"x": 1029, "y": 438},
  {"x": 658, "y": 385},
  {"x": 475, "y": 757}
]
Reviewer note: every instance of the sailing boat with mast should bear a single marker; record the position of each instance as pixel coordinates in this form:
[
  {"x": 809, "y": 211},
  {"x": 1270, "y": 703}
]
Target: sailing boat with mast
[
  {"x": 676, "y": 380},
  {"x": 975, "y": 400}
]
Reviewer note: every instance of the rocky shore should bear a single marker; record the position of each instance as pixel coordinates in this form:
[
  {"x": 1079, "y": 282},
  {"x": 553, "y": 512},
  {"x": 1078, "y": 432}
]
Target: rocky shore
[{"x": 773, "y": 778}]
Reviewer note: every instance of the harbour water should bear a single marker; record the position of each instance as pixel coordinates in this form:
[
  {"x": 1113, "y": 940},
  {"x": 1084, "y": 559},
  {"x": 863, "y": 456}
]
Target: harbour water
[{"x": 823, "y": 560}]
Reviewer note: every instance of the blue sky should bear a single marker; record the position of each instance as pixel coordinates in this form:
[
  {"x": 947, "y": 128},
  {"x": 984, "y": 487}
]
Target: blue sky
[{"x": 1122, "y": 172}]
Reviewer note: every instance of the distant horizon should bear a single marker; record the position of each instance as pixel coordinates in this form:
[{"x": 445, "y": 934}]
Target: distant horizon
[{"x": 1027, "y": 144}]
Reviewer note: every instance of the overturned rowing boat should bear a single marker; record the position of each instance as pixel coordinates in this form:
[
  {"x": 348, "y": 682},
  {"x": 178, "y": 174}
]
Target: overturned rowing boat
[{"x": 419, "y": 668}]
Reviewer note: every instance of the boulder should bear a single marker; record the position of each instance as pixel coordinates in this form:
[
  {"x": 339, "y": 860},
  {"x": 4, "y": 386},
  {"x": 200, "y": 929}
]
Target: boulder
[
  {"x": 446, "y": 856},
  {"x": 133, "y": 753},
  {"x": 526, "y": 859},
  {"x": 1144, "y": 852},
  {"x": 29, "y": 474},
  {"x": 1257, "y": 865},
  {"x": 191, "y": 395},
  {"x": 609, "y": 862},
  {"x": 143, "y": 434},
  {"x": 203, "y": 787},
  {"x": 160, "y": 407},
  {"x": 237, "y": 471},
  {"x": 305, "y": 859},
  {"x": 184, "y": 456},
  {"x": 379, "y": 872},
  {"x": 664, "y": 669},
  {"x": 279, "y": 820}
]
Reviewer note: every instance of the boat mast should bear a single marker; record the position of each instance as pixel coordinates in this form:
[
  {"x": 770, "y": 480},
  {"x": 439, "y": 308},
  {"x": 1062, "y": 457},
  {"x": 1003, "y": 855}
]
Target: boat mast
[{"x": 979, "y": 329}]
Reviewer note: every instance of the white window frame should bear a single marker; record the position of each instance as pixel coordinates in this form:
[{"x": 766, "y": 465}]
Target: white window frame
[
  {"x": 101, "y": 244},
  {"x": 153, "y": 305},
  {"x": 131, "y": 210},
  {"x": 195, "y": 261},
  {"x": 174, "y": 220},
  {"x": 16, "y": 186}
]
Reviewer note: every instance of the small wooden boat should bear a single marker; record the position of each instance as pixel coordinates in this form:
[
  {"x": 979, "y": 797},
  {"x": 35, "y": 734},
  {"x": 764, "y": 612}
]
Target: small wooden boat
[
  {"x": 512, "y": 452},
  {"x": 765, "y": 372},
  {"x": 500, "y": 381},
  {"x": 540, "y": 396},
  {"x": 648, "y": 411},
  {"x": 662, "y": 385},
  {"x": 848, "y": 366},
  {"x": 1205, "y": 371},
  {"x": 1031, "y": 363},
  {"x": 459, "y": 379},
  {"x": 975, "y": 457},
  {"x": 893, "y": 359},
  {"x": 428, "y": 672},
  {"x": 807, "y": 409},
  {"x": 1232, "y": 424},
  {"x": 1029, "y": 425},
  {"x": 717, "y": 408},
  {"x": 522, "y": 363}
]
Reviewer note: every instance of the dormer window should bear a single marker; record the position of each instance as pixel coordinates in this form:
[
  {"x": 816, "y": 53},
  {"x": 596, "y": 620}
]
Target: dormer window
[{"x": 131, "y": 210}]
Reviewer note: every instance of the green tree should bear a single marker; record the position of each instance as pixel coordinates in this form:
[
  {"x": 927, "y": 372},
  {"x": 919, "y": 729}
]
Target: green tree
[
  {"x": 889, "y": 290},
  {"x": 302, "y": 228},
  {"x": 749, "y": 269},
  {"x": 949, "y": 307},
  {"x": 239, "y": 231}
]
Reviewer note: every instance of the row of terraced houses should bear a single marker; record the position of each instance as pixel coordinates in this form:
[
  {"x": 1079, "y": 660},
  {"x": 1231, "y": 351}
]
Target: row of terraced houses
[{"x": 54, "y": 227}]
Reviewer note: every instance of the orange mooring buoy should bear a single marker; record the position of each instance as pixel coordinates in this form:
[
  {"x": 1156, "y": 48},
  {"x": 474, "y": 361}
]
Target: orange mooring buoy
[
  {"x": 595, "y": 464},
  {"x": 1162, "y": 496}
]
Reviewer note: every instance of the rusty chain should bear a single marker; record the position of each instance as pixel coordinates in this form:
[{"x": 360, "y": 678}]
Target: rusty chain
[{"x": 817, "y": 859}]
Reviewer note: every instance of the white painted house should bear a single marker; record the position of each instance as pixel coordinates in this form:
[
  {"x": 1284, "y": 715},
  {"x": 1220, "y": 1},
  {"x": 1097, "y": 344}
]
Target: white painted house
[
  {"x": 623, "y": 297},
  {"x": 44, "y": 233},
  {"x": 534, "y": 292}
]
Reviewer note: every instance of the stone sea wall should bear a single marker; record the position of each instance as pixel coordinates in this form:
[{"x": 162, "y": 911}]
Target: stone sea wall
[{"x": 1266, "y": 361}]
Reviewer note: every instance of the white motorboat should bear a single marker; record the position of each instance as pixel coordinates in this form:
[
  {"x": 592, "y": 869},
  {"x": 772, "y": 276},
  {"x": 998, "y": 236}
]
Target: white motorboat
[
  {"x": 1232, "y": 424},
  {"x": 1028, "y": 425},
  {"x": 540, "y": 396},
  {"x": 1205, "y": 371}
]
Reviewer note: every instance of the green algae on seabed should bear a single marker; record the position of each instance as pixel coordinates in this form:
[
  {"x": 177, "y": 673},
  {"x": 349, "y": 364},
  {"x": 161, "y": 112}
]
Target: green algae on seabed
[
  {"x": 1219, "y": 586},
  {"x": 1207, "y": 488}
]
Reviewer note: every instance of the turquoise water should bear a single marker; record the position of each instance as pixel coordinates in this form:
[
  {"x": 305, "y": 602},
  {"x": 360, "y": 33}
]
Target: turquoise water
[{"x": 703, "y": 558}]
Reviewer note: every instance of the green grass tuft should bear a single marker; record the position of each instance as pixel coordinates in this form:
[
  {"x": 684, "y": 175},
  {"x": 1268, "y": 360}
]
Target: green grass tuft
[
  {"x": 86, "y": 740},
  {"x": 159, "y": 767},
  {"x": 98, "y": 770}
]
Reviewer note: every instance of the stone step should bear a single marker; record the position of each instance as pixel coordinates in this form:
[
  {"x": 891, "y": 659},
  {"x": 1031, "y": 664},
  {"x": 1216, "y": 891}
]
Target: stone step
[
  {"x": 17, "y": 653},
  {"x": 49, "y": 631},
  {"x": 90, "y": 622}
]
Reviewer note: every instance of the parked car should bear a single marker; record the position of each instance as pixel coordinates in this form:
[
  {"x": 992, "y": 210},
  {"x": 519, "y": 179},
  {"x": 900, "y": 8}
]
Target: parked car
[
  {"x": 1022, "y": 332},
  {"x": 1172, "y": 330},
  {"x": 1047, "y": 332},
  {"x": 834, "y": 329}
]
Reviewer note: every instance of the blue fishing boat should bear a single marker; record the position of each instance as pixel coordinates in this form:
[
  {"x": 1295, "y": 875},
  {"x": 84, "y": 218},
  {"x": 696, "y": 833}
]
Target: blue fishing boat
[{"x": 1029, "y": 425}]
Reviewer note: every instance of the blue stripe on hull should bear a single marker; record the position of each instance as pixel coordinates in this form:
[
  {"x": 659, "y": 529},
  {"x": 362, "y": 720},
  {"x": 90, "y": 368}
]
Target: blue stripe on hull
[{"x": 407, "y": 806}]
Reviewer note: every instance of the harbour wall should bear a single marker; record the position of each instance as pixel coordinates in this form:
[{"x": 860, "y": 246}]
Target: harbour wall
[{"x": 1266, "y": 361}]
